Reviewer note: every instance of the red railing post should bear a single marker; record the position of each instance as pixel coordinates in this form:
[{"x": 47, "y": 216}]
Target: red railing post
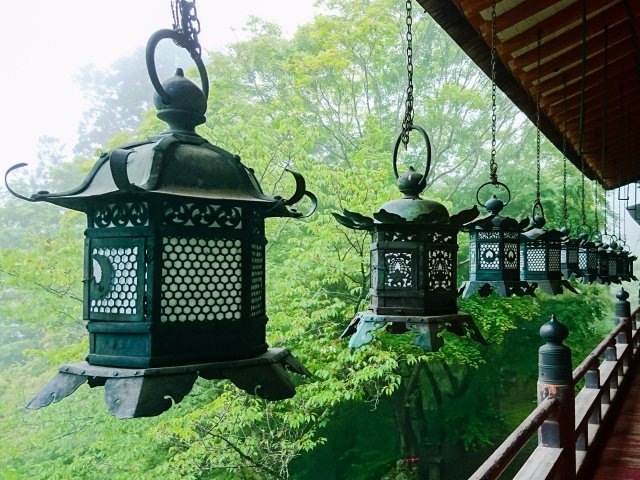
[{"x": 555, "y": 378}]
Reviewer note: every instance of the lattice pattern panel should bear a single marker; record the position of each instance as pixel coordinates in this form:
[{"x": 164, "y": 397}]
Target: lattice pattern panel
[
  {"x": 131, "y": 214},
  {"x": 612, "y": 267},
  {"x": 472, "y": 256},
  {"x": 511, "y": 235},
  {"x": 511, "y": 256},
  {"x": 582, "y": 259},
  {"x": 201, "y": 279},
  {"x": 536, "y": 261},
  {"x": 440, "y": 269},
  {"x": 398, "y": 270},
  {"x": 554, "y": 260},
  {"x": 489, "y": 256},
  {"x": 572, "y": 255},
  {"x": 257, "y": 280},
  {"x": 115, "y": 279}
]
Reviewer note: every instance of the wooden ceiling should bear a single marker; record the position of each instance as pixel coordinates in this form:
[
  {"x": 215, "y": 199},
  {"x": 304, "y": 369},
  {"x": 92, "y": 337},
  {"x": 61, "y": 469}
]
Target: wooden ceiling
[{"x": 604, "y": 90}]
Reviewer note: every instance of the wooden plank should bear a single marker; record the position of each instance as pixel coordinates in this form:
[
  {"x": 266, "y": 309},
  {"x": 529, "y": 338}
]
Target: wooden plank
[
  {"x": 586, "y": 401},
  {"x": 541, "y": 465}
]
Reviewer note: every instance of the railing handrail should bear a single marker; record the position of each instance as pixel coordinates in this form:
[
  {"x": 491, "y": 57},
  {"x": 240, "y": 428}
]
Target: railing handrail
[
  {"x": 495, "y": 465},
  {"x": 502, "y": 457},
  {"x": 585, "y": 365}
]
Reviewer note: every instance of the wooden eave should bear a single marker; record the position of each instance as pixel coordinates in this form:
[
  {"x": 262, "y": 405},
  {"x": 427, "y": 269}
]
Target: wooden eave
[{"x": 609, "y": 102}]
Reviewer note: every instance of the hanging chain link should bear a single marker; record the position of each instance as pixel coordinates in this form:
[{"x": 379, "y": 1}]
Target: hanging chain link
[
  {"x": 565, "y": 211},
  {"x": 185, "y": 20},
  {"x": 493, "y": 167},
  {"x": 538, "y": 123},
  {"x": 407, "y": 122},
  {"x": 595, "y": 206},
  {"x": 605, "y": 210}
]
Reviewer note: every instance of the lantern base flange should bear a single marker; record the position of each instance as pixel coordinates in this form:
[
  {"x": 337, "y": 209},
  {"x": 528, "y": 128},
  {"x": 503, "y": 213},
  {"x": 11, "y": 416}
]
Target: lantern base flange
[
  {"x": 502, "y": 288},
  {"x": 427, "y": 328},
  {"x": 132, "y": 393},
  {"x": 555, "y": 287}
]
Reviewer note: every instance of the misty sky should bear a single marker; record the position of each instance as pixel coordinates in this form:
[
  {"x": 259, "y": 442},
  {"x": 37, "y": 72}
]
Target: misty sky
[{"x": 44, "y": 43}]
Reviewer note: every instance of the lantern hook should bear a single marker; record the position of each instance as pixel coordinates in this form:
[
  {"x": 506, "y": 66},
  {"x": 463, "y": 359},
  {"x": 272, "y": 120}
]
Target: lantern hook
[
  {"x": 419, "y": 129},
  {"x": 181, "y": 40},
  {"x": 9, "y": 189}
]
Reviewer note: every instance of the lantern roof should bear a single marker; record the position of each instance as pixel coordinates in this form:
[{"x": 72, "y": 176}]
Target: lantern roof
[{"x": 178, "y": 162}]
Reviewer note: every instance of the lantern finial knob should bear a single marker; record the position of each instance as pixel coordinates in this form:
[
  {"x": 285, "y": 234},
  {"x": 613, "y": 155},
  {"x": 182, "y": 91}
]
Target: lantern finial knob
[
  {"x": 187, "y": 103},
  {"x": 494, "y": 205},
  {"x": 410, "y": 183}
]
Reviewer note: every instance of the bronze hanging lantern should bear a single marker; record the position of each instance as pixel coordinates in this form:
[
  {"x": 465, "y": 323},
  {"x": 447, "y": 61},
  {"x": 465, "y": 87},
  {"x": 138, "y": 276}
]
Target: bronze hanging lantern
[
  {"x": 494, "y": 240},
  {"x": 413, "y": 265},
  {"x": 587, "y": 258},
  {"x": 174, "y": 265},
  {"x": 540, "y": 248},
  {"x": 494, "y": 259},
  {"x": 540, "y": 255}
]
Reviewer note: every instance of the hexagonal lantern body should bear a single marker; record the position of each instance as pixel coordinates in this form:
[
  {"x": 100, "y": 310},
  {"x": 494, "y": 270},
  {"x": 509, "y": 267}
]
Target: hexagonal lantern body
[
  {"x": 494, "y": 261},
  {"x": 569, "y": 258},
  {"x": 588, "y": 259},
  {"x": 175, "y": 274},
  {"x": 603, "y": 262},
  {"x": 413, "y": 268},
  {"x": 540, "y": 258},
  {"x": 174, "y": 282}
]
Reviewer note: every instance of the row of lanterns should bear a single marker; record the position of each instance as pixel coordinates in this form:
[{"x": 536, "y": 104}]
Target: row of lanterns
[{"x": 174, "y": 284}]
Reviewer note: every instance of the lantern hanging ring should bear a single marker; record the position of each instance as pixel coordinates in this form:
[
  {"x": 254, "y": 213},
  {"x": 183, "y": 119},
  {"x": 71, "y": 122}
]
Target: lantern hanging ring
[
  {"x": 584, "y": 228},
  {"x": 422, "y": 132},
  {"x": 181, "y": 40},
  {"x": 537, "y": 204},
  {"x": 496, "y": 184}
]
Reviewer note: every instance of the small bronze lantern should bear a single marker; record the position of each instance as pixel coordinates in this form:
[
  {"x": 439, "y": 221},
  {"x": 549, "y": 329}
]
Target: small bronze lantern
[
  {"x": 569, "y": 255},
  {"x": 540, "y": 255},
  {"x": 603, "y": 261},
  {"x": 494, "y": 244},
  {"x": 174, "y": 264},
  {"x": 413, "y": 265},
  {"x": 587, "y": 258}
]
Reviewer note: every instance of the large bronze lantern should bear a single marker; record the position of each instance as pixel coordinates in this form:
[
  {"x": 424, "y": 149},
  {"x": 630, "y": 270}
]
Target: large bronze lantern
[
  {"x": 174, "y": 284},
  {"x": 413, "y": 265}
]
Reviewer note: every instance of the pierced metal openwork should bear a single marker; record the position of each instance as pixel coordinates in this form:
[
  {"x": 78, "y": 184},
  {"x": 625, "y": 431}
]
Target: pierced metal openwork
[{"x": 174, "y": 283}]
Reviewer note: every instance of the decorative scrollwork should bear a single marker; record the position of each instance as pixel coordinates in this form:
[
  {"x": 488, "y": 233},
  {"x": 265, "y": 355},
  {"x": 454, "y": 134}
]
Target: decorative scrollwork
[
  {"x": 130, "y": 214},
  {"x": 202, "y": 215}
]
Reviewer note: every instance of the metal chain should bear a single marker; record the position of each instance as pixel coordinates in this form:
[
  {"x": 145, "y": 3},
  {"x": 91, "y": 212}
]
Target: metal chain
[
  {"x": 595, "y": 206},
  {"x": 565, "y": 212},
  {"x": 538, "y": 124},
  {"x": 407, "y": 122},
  {"x": 605, "y": 210},
  {"x": 493, "y": 167},
  {"x": 185, "y": 20}
]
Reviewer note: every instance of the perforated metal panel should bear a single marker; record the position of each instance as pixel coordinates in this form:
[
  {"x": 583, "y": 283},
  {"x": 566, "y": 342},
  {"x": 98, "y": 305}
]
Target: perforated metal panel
[
  {"x": 114, "y": 280},
  {"x": 489, "y": 256},
  {"x": 440, "y": 269},
  {"x": 399, "y": 269},
  {"x": 536, "y": 261},
  {"x": 554, "y": 260},
  {"x": 257, "y": 280},
  {"x": 201, "y": 279},
  {"x": 511, "y": 256}
]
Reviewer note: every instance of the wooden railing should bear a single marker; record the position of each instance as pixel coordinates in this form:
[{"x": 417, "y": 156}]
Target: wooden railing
[{"x": 572, "y": 428}]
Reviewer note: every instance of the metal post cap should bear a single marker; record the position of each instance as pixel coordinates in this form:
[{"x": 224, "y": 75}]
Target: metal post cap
[
  {"x": 623, "y": 307},
  {"x": 554, "y": 358}
]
